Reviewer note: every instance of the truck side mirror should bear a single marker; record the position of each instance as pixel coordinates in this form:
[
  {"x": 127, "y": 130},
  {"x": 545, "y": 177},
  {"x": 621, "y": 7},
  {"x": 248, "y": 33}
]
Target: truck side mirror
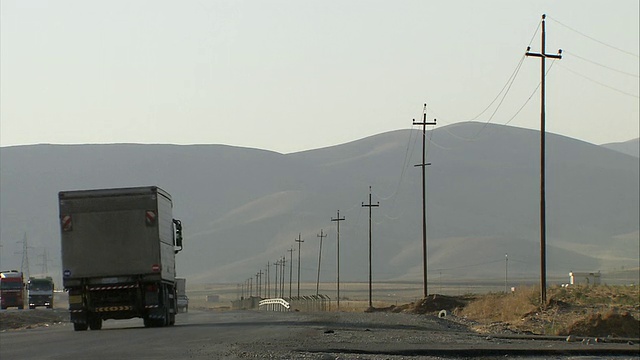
[{"x": 178, "y": 225}]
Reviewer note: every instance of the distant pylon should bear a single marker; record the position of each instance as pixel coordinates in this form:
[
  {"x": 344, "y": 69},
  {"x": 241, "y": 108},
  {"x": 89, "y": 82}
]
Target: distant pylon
[
  {"x": 45, "y": 262},
  {"x": 24, "y": 264}
]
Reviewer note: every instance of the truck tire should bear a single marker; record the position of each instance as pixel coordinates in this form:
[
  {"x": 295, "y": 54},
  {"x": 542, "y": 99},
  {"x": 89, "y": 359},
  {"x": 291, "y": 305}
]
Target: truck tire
[
  {"x": 95, "y": 323},
  {"x": 80, "y": 327},
  {"x": 21, "y": 307},
  {"x": 167, "y": 318},
  {"x": 32, "y": 307},
  {"x": 149, "y": 322}
]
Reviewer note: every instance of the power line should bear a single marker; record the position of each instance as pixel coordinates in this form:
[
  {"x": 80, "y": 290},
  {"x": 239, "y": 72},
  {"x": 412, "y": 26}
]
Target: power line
[
  {"x": 601, "y": 65},
  {"x": 530, "y": 96},
  {"x": 594, "y": 39},
  {"x": 599, "y": 83},
  {"x": 507, "y": 86},
  {"x": 466, "y": 266},
  {"x": 510, "y": 79}
]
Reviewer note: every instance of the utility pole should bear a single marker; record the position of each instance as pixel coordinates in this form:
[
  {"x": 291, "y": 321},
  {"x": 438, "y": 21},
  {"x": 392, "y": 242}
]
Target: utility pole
[
  {"x": 337, "y": 220},
  {"x": 370, "y": 205},
  {"x": 284, "y": 262},
  {"x": 290, "y": 269},
  {"x": 321, "y": 236},
  {"x": 506, "y": 271},
  {"x": 299, "y": 241},
  {"x": 268, "y": 282},
  {"x": 250, "y": 287},
  {"x": 424, "y": 165},
  {"x": 543, "y": 221},
  {"x": 257, "y": 284},
  {"x": 259, "y": 275},
  {"x": 277, "y": 283}
]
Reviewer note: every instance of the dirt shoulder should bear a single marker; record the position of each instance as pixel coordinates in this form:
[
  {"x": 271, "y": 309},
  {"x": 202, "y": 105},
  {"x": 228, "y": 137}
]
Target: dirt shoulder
[
  {"x": 28, "y": 319},
  {"x": 600, "y": 311}
]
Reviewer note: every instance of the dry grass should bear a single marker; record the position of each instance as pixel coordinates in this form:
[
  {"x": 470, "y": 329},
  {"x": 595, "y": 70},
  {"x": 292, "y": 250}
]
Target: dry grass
[
  {"x": 502, "y": 307},
  {"x": 578, "y": 310}
]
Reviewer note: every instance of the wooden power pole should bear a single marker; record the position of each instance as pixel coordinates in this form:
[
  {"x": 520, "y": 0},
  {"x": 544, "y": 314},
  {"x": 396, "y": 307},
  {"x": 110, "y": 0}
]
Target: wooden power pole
[
  {"x": 337, "y": 220},
  {"x": 370, "y": 205},
  {"x": 543, "y": 221},
  {"x": 321, "y": 236},
  {"x": 299, "y": 241},
  {"x": 424, "y": 165}
]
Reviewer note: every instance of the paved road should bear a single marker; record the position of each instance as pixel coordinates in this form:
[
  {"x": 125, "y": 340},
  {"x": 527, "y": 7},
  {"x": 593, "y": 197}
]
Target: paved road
[{"x": 250, "y": 334}]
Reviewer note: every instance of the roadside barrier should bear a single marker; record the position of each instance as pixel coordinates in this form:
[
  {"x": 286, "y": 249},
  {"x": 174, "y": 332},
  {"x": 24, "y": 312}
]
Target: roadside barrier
[{"x": 302, "y": 303}]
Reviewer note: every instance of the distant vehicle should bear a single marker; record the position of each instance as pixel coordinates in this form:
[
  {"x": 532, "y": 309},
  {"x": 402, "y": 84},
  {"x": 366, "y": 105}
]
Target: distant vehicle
[
  {"x": 11, "y": 289},
  {"x": 118, "y": 255},
  {"x": 183, "y": 299},
  {"x": 40, "y": 292}
]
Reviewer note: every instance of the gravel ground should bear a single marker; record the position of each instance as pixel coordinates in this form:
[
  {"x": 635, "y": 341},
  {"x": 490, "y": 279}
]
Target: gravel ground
[
  {"x": 398, "y": 336},
  {"x": 375, "y": 336},
  {"x": 26, "y": 319}
]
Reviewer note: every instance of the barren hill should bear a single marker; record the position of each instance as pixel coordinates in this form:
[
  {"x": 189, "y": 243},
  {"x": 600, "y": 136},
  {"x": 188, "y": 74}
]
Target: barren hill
[{"x": 244, "y": 207}]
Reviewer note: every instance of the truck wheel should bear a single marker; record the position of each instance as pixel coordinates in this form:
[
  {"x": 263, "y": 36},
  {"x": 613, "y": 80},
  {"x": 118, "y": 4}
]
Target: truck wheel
[
  {"x": 80, "y": 327},
  {"x": 95, "y": 323},
  {"x": 32, "y": 307},
  {"x": 167, "y": 318},
  {"x": 21, "y": 307}
]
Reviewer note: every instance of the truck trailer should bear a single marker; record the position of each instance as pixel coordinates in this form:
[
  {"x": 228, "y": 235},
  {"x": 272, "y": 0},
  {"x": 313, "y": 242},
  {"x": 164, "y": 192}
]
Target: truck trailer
[
  {"x": 40, "y": 292},
  {"x": 118, "y": 255}
]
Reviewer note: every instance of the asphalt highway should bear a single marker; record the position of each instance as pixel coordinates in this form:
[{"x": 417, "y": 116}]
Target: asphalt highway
[{"x": 292, "y": 335}]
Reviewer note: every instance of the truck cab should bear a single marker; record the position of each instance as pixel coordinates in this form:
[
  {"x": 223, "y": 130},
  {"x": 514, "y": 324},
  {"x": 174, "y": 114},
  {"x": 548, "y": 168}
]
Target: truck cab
[
  {"x": 11, "y": 289},
  {"x": 40, "y": 292}
]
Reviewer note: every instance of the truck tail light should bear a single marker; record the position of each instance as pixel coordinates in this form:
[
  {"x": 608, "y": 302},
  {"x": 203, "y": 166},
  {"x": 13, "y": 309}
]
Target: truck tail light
[
  {"x": 150, "y": 217},
  {"x": 66, "y": 223}
]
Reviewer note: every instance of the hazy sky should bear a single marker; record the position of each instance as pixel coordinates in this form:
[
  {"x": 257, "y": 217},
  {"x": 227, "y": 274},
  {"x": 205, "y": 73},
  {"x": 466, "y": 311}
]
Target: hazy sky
[{"x": 293, "y": 75}]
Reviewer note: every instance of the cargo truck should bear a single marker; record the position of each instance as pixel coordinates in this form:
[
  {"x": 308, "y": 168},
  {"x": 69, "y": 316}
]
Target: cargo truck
[
  {"x": 40, "y": 292},
  {"x": 118, "y": 255},
  {"x": 11, "y": 289}
]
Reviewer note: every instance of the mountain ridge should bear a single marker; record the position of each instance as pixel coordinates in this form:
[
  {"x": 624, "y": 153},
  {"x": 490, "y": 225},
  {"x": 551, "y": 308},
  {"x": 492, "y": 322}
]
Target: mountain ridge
[{"x": 243, "y": 207}]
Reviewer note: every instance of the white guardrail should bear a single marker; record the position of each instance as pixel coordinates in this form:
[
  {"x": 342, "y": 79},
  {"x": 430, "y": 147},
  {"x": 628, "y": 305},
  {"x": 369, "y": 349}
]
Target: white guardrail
[{"x": 271, "y": 304}]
